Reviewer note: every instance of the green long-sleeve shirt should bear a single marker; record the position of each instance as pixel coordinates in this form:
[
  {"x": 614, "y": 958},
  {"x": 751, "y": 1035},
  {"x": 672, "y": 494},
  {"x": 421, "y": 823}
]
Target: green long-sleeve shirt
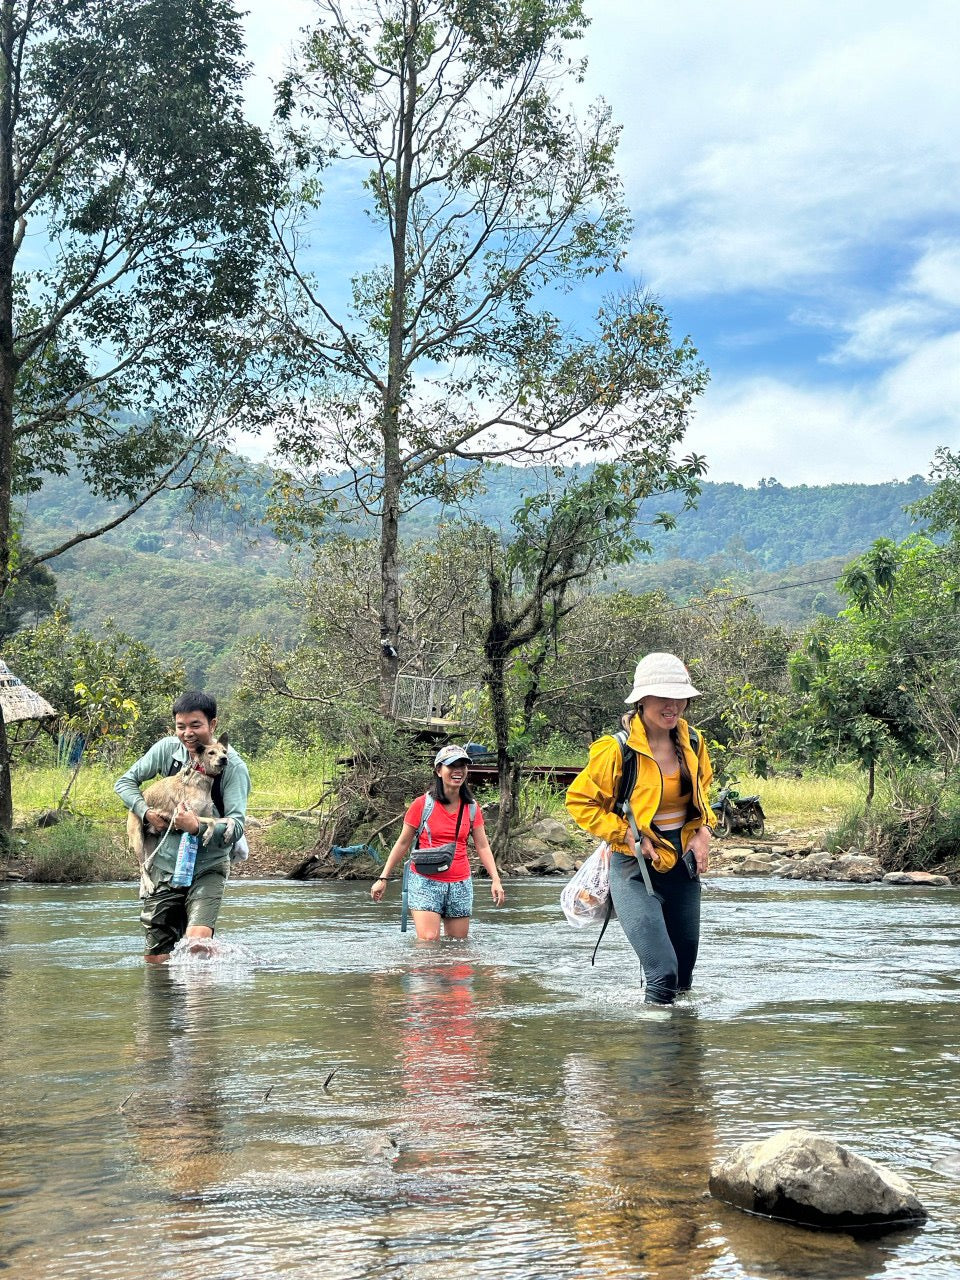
[{"x": 157, "y": 763}]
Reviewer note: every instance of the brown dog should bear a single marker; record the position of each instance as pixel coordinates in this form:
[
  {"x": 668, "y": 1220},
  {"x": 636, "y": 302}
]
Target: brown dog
[{"x": 192, "y": 786}]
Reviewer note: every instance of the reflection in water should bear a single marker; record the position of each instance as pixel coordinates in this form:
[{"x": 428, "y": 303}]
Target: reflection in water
[
  {"x": 176, "y": 1113},
  {"x": 644, "y": 1128},
  {"x": 329, "y": 1102}
]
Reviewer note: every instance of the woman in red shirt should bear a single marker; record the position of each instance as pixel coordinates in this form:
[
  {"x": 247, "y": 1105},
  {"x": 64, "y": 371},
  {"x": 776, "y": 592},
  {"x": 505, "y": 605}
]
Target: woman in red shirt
[{"x": 443, "y": 897}]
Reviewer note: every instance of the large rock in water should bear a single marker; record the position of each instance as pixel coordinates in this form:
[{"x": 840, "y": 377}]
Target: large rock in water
[{"x": 803, "y": 1177}]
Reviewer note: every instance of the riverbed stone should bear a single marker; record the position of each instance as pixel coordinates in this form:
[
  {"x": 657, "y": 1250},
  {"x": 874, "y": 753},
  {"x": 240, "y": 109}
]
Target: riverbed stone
[
  {"x": 856, "y": 868},
  {"x": 542, "y": 859},
  {"x": 916, "y": 877},
  {"x": 756, "y": 865},
  {"x": 553, "y": 831},
  {"x": 808, "y": 1178}
]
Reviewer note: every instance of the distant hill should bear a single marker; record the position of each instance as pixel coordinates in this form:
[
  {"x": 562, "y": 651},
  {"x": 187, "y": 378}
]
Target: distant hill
[
  {"x": 192, "y": 584},
  {"x": 768, "y": 527}
]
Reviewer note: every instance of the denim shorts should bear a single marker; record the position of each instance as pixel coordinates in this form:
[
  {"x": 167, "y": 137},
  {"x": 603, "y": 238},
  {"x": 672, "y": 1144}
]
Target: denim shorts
[{"x": 449, "y": 899}]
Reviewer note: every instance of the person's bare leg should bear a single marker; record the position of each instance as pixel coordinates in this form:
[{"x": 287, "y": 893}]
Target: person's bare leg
[{"x": 427, "y": 925}]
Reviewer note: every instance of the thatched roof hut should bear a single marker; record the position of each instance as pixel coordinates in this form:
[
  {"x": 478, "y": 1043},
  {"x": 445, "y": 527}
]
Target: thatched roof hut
[{"x": 17, "y": 702}]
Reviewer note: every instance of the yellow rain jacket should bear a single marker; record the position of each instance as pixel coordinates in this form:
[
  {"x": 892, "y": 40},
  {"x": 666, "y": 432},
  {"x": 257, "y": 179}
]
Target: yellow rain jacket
[{"x": 591, "y": 796}]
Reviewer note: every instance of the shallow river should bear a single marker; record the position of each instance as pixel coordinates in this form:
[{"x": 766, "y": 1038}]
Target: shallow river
[{"x": 329, "y": 1099}]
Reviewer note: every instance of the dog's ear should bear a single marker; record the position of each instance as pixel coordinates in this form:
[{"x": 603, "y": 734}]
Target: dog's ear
[{"x": 223, "y": 740}]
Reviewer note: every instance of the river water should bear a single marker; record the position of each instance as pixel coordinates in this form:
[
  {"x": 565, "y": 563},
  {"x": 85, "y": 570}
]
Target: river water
[{"x": 328, "y": 1098}]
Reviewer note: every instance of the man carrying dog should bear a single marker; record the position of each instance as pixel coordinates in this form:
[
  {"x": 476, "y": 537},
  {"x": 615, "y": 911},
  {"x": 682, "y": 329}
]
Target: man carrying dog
[{"x": 170, "y": 913}]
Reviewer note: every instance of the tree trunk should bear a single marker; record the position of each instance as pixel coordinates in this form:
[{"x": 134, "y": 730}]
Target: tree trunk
[
  {"x": 389, "y": 567},
  {"x": 871, "y": 780},
  {"x": 496, "y": 653},
  {"x": 8, "y": 363},
  {"x": 393, "y": 476}
]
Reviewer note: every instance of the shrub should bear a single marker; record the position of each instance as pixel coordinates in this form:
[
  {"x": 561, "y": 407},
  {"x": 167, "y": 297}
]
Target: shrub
[{"x": 74, "y": 851}]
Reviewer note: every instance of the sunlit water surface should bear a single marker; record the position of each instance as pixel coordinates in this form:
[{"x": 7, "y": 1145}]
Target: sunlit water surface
[{"x": 326, "y": 1098}]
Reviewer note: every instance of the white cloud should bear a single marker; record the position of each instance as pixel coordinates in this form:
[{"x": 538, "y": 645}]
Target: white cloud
[
  {"x": 919, "y": 308},
  {"x": 883, "y": 429},
  {"x": 764, "y": 145},
  {"x": 937, "y": 273},
  {"x": 802, "y": 156}
]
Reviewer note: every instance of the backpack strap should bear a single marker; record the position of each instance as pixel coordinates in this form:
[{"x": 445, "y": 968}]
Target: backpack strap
[
  {"x": 628, "y": 772},
  {"x": 622, "y": 805},
  {"x": 428, "y": 803},
  {"x": 603, "y": 929}
]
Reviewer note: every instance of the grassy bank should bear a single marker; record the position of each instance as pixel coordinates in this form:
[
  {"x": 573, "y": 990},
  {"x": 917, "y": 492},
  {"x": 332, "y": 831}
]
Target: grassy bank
[
  {"x": 283, "y": 781},
  {"x": 90, "y": 844},
  {"x": 811, "y": 804}
]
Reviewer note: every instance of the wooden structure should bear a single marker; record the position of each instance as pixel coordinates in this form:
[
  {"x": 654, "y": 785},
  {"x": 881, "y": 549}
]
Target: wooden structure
[
  {"x": 21, "y": 707},
  {"x": 429, "y": 702}
]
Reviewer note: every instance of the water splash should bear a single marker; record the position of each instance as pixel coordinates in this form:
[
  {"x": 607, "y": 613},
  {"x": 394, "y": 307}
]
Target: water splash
[{"x": 210, "y": 960}]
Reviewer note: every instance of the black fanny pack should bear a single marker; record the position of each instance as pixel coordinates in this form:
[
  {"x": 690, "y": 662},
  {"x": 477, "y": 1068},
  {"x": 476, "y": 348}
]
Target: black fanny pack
[{"x": 432, "y": 862}]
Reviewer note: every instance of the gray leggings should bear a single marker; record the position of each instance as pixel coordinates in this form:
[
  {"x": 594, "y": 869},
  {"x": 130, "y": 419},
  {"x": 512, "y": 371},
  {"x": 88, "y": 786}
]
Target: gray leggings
[{"x": 664, "y": 930}]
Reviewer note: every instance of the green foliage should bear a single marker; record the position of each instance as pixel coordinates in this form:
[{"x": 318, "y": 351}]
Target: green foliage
[
  {"x": 127, "y": 352},
  {"x": 290, "y": 837},
  {"x": 155, "y": 228},
  {"x": 77, "y": 673},
  {"x": 195, "y": 614},
  {"x": 32, "y": 596},
  {"x": 74, "y": 851},
  {"x": 487, "y": 198},
  {"x": 774, "y": 526},
  {"x": 853, "y": 831}
]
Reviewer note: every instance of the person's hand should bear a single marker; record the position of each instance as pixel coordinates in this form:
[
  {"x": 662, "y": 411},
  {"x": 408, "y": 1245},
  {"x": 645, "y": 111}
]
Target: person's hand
[
  {"x": 184, "y": 819},
  {"x": 647, "y": 848},
  {"x": 496, "y": 891},
  {"x": 378, "y": 889},
  {"x": 700, "y": 847},
  {"x": 155, "y": 821}
]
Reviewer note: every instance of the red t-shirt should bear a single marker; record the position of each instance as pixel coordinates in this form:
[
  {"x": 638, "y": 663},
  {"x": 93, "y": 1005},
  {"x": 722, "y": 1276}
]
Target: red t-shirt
[{"x": 441, "y": 827}]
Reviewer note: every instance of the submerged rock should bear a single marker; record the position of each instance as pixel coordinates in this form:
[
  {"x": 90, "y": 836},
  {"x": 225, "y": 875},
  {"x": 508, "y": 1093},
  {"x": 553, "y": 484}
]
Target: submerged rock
[
  {"x": 809, "y": 1179},
  {"x": 916, "y": 877}
]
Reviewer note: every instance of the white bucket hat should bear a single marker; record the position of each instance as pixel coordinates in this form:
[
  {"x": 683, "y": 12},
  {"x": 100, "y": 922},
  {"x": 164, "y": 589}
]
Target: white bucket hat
[{"x": 663, "y": 676}]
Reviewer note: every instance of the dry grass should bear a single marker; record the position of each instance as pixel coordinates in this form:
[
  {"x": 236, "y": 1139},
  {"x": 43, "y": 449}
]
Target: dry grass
[{"x": 812, "y": 803}]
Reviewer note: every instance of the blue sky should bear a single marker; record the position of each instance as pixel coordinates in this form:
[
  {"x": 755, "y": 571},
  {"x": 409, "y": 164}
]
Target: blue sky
[{"x": 794, "y": 176}]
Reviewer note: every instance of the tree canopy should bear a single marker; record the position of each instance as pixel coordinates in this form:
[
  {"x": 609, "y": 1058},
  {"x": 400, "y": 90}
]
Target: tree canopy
[
  {"x": 125, "y": 154},
  {"x": 486, "y": 198}
]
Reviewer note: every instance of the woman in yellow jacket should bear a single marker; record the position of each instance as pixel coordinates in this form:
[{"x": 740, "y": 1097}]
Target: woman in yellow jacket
[{"x": 673, "y": 816}]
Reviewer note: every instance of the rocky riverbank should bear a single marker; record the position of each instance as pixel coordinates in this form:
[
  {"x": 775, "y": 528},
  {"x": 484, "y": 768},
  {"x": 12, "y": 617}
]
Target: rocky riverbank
[{"x": 551, "y": 847}]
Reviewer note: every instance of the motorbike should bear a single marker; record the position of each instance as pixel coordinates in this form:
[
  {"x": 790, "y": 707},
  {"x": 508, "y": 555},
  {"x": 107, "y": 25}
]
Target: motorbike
[{"x": 738, "y": 813}]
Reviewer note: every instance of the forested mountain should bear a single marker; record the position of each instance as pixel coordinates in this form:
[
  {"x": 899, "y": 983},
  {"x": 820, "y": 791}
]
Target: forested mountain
[
  {"x": 191, "y": 583},
  {"x": 767, "y": 527}
]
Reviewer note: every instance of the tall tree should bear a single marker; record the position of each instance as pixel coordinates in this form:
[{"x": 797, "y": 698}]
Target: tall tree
[
  {"x": 561, "y": 542},
  {"x": 486, "y": 197},
  {"x": 131, "y": 228}
]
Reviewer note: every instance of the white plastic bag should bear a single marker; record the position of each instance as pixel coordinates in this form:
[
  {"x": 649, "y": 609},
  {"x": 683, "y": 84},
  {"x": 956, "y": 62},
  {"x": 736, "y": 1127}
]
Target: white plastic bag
[{"x": 584, "y": 897}]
